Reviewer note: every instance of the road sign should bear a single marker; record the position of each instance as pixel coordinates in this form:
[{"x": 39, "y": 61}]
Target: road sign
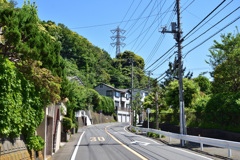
[{"x": 148, "y": 110}]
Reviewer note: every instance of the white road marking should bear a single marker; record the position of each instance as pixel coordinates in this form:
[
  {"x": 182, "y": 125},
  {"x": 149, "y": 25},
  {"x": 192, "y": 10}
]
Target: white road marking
[
  {"x": 76, "y": 148},
  {"x": 140, "y": 135},
  {"x": 140, "y": 143},
  {"x": 169, "y": 146}
]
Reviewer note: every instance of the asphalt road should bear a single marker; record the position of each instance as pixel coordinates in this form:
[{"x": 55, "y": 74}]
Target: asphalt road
[{"x": 113, "y": 142}]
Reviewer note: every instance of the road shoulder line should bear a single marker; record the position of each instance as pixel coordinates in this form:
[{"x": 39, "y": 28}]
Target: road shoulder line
[{"x": 76, "y": 148}]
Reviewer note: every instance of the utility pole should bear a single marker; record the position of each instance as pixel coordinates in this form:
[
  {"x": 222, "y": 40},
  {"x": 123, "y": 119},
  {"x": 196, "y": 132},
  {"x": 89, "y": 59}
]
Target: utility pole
[
  {"x": 157, "y": 112},
  {"x": 149, "y": 73},
  {"x": 118, "y": 39},
  {"x": 177, "y": 35},
  {"x": 131, "y": 92}
]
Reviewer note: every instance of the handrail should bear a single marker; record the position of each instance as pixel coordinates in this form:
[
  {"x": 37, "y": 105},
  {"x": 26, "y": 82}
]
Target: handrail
[{"x": 202, "y": 140}]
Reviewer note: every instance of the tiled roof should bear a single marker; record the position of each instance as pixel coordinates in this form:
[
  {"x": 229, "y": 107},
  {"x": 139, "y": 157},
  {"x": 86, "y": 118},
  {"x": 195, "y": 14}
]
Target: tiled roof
[{"x": 116, "y": 89}]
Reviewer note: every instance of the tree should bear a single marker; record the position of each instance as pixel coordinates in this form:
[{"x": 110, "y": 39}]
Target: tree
[
  {"x": 224, "y": 59},
  {"x": 204, "y": 84},
  {"x": 137, "y": 106},
  {"x": 191, "y": 92},
  {"x": 155, "y": 101},
  {"x": 172, "y": 73}
]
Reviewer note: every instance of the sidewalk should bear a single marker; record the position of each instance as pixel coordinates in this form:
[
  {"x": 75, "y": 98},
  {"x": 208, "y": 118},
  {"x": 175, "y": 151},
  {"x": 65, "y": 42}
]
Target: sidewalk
[{"x": 66, "y": 151}]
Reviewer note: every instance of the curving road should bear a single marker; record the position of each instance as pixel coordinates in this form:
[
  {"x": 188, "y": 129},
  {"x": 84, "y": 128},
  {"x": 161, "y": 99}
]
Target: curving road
[{"x": 113, "y": 142}]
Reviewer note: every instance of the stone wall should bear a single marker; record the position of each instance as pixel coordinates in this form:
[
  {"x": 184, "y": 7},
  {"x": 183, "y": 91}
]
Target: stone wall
[
  {"x": 16, "y": 149},
  {"x": 101, "y": 118}
]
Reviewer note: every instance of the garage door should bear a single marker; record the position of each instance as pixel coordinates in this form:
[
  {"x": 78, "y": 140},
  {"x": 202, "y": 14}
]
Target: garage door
[
  {"x": 127, "y": 119},
  {"x": 124, "y": 118},
  {"x": 119, "y": 118}
]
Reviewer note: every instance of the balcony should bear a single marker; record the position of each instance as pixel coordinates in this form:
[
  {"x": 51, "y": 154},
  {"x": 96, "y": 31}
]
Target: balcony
[{"x": 123, "y": 109}]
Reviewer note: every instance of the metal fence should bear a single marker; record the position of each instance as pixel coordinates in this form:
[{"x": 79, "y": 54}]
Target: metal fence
[{"x": 201, "y": 140}]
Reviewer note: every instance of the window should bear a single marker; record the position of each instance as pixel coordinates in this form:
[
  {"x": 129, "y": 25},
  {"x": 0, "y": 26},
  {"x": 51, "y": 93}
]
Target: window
[
  {"x": 117, "y": 94},
  {"x": 109, "y": 93},
  {"x": 101, "y": 85},
  {"x": 128, "y": 96},
  {"x": 123, "y": 95},
  {"x": 117, "y": 103},
  {"x": 128, "y": 105}
]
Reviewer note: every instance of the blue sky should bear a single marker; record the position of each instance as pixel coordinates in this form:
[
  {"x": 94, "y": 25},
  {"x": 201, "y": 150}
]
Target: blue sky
[{"x": 142, "y": 20}]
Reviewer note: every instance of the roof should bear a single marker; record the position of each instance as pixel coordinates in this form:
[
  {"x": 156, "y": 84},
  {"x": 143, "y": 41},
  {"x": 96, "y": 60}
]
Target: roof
[
  {"x": 76, "y": 78},
  {"x": 116, "y": 89}
]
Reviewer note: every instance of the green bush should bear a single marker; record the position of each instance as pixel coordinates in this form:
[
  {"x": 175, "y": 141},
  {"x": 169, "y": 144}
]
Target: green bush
[
  {"x": 151, "y": 134},
  {"x": 76, "y": 126},
  {"x": 223, "y": 109},
  {"x": 106, "y": 105},
  {"x": 35, "y": 142},
  {"x": 67, "y": 123},
  {"x": 133, "y": 130}
]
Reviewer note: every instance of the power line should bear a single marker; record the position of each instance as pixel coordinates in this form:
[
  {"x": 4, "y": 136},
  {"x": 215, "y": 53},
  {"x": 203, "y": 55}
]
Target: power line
[
  {"x": 145, "y": 24},
  {"x": 187, "y": 6},
  {"x": 211, "y": 36},
  {"x": 211, "y": 27},
  {"x": 107, "y": 24},
  {"x": 131, "y": 27},
  {"x": 158, "y": 44},
  {"x": 163, "y": 62},
  {"x": 203, "y": 20},
  {"x": 173, "y": 47},
  {"x": 127, "y": 12},
  {"x": 133, "y": 14},
  {"x": 152, "y": 33},
  {"x": 209, "y": 20}
]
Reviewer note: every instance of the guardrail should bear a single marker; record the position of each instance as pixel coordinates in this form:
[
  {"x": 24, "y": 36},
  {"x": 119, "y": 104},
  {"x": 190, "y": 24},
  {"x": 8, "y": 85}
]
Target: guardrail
[{"x": 201, "y": 140}]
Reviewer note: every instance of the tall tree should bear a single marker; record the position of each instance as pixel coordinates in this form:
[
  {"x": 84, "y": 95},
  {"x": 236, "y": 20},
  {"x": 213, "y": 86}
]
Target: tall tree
[
  {"x": 172, "y": 73},
  {"x": 137, "y": 103},
  {"x": 224, "y": 59}
]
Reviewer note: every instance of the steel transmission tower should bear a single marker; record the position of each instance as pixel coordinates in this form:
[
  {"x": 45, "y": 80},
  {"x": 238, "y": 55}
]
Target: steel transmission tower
[{"x": 118, "y": 39}]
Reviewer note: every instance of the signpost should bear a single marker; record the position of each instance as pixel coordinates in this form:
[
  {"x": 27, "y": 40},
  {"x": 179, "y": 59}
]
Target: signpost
[{"x": 148, "y": 111}]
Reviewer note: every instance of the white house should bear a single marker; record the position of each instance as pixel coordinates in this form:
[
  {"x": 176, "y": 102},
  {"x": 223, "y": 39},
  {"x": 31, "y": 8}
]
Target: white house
[{"x": 121, "y": 98}]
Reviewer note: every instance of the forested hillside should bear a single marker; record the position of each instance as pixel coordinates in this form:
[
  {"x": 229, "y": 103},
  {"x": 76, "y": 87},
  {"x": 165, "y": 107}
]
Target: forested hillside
[
  {"x": 36, "y": 57},
  {"x": 92, "y": 64}
]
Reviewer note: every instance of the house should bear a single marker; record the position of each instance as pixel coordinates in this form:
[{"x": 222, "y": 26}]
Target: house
[
  {"x": 143, "y": 94},
  {"x": 121, "y": 98},
  {"x": 50, "y": 128},
  {"x": 75, "y": 78}
]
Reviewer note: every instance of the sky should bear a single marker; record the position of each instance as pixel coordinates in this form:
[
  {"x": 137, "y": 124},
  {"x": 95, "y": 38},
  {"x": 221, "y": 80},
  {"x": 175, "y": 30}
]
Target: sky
[{"x": 143, "y": 21}]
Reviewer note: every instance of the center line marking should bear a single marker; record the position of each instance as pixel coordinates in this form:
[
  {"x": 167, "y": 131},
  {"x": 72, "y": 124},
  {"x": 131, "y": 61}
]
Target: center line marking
[{"x": 134, "y": 152}]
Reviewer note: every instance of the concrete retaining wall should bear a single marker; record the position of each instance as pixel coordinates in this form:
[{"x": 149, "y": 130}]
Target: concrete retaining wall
[
  {"x": 101, "y": 118},
  {"x": 16, "y": 149}
]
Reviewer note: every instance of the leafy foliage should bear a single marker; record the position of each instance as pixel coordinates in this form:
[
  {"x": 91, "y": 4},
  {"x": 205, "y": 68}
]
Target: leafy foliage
[
  {"x": 224, "y": 59},
  {"x": 21, "y": 104},
  {"x": 204, "y": 84},
  {"x": 191, "y": 93},
  {"x": 35, "y": 142},
  {"x": 137, "y": 106},
  {"x": 106, "y": 105},
  {"x": 172, "y": 73},
  {"x": 67, "y": 123}
]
